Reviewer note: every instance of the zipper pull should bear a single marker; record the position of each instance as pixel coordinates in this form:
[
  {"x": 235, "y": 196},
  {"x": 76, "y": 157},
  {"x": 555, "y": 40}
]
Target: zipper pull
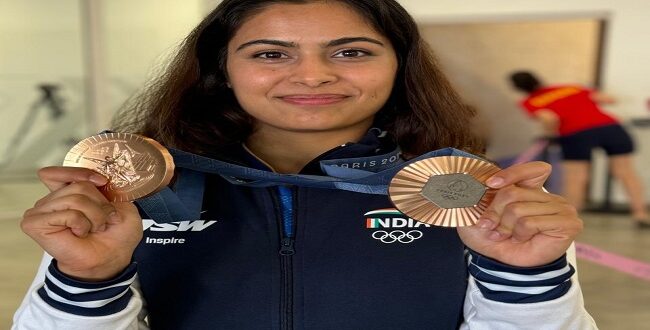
[{"x": 286, "y": 248}]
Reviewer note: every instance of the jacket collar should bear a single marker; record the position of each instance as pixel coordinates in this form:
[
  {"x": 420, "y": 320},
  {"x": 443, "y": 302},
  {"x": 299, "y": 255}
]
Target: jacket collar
[{"x": 374, "y": 142}]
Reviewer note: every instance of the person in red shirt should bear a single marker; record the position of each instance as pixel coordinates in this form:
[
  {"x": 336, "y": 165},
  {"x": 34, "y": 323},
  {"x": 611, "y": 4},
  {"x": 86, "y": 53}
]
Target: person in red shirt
[{"x": 572, "y": 114}]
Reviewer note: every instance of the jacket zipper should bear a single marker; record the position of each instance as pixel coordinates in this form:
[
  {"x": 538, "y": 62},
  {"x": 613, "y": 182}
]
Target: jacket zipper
[{"x": 287, "y": 218}]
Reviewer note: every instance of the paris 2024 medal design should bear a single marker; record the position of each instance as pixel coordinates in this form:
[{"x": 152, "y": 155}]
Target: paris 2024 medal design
[
  {"x": 446, "y": 191},
  {"x": 136, "y": 166}
]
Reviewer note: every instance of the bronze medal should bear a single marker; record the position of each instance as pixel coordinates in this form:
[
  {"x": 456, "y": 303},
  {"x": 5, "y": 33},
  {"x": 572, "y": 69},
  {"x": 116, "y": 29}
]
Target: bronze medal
[
  {"x": 446, "y": 191},
  {"x": 136, "y": 166}
]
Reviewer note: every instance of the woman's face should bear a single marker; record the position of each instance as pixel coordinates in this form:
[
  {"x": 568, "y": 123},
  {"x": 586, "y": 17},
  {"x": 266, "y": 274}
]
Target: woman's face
[{"x": 310, "y": 68}]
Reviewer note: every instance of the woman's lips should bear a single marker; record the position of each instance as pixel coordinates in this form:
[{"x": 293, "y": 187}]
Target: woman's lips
[{"x": 314, "y": 99}]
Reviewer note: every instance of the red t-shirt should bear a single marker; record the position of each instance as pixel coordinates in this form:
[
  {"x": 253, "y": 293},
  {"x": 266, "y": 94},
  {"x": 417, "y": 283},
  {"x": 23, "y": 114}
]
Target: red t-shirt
[{"x": 573, "y": 106}]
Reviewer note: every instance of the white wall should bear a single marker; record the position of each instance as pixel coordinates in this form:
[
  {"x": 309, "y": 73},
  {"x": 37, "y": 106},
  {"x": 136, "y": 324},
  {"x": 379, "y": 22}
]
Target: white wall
[
  {"x": 40, "y": 41},
  {"x": 39, "y": 38},
  {"x": 139, "y": 32},
  {"x": 139, "y": 36},
  {"x": 43, "y": 41}
]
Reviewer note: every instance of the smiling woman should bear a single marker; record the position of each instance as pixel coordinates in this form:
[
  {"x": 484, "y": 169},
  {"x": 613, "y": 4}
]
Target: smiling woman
[
  {"x": 310, "y": 87},
  {"x": 304, "y": 89},
  {"x": 180, "y": 108}
]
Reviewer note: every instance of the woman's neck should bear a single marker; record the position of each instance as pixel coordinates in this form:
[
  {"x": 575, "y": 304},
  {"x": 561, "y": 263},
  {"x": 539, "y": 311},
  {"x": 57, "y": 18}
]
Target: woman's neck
[{"x": 289, "y": 152}]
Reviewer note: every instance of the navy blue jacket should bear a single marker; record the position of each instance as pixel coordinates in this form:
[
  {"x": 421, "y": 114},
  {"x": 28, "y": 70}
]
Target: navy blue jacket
[
  {"x": 289, "y": 257},
  {"x": 326, "y": 259}
]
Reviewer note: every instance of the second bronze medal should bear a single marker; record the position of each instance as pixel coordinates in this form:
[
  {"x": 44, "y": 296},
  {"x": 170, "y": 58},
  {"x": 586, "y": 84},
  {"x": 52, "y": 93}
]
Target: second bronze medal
[{"x": 446, "y": 191}]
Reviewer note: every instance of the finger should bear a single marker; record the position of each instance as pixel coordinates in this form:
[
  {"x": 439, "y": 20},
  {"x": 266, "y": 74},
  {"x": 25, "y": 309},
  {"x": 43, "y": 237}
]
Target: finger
[
  {"x": 529, "y": 175},
  {"x": 526, "y": 228},
  {"x": 515, "y": 213},
  {"x": 560, "y": 227},
  {"x": 77, "y": 188},
  {"x": 98, "y": 214},
  {"x": 56, "y": 177},
  {"x": 39, "y": 226},
  {"x": 514, "y": 194},
  {"x": 485, "y": 229}
]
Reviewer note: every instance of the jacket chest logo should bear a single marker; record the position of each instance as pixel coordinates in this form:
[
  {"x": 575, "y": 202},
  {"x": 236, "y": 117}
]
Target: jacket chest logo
[
  {"x": 196, "y": 225},
  {"x": 390, "y": 226},
  {"x": 149, "y": 226}
]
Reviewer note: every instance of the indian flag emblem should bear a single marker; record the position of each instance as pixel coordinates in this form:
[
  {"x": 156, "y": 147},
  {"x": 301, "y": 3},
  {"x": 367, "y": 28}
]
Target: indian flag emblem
[
  {"x": 373, "y": 222},
  {"x": 390, "y": 218}
]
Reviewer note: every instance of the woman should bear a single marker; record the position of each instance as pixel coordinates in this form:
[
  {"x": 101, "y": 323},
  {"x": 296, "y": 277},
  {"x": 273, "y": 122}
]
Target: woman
[
  {"x": 572, "y": 113},
  {"x": 287, "y": 86}
]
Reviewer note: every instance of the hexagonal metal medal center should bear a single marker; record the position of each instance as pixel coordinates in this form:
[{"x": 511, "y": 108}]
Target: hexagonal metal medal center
[{"x": 456, "y": 190}]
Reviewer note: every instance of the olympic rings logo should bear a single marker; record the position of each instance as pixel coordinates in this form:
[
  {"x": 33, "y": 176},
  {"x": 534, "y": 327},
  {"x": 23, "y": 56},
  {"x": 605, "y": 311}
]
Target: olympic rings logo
[{"x": 397, "y": 236}]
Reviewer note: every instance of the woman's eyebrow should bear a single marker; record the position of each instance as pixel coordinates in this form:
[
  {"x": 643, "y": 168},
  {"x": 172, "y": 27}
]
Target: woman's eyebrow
[
  {"x": 288, "y": 44},
  {"x": 347, "y": 40},
  {"x": 267, "y": 42}
]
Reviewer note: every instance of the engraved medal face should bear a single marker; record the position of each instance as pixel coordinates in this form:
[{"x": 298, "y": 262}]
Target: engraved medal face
[
  {"x": 135, "y": 166},
  {"x": 444, "y": 191},
  {"x": 453, "y": 190}
]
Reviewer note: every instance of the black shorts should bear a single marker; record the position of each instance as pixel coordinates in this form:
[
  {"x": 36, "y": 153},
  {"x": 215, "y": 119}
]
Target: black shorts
[{"x": 612, "y": 138}]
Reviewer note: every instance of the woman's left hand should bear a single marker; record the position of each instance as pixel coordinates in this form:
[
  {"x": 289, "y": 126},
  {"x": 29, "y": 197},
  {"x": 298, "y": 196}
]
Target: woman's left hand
[{"x": 523, "y": 226}]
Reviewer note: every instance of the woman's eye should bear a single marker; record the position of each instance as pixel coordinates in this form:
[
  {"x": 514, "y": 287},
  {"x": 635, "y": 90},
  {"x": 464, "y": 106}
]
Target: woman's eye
[
  {"x": 351, "y": 53},
  {"x": 270, "y": 55}
]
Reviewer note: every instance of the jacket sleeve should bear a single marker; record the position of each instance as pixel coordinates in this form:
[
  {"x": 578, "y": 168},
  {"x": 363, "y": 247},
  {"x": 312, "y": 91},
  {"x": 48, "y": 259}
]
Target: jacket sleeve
[
  {"x": 57, "y": 302},
  {"x": 540, "y": 298}
]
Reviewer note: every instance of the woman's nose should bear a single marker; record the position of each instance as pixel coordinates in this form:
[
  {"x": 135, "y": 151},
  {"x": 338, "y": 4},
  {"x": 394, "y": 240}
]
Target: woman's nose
[{"x": 313, "y": 71}]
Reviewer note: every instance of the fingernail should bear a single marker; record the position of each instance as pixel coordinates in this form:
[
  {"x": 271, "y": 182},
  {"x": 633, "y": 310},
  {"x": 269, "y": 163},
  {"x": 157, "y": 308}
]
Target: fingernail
[
  {"x": 495, "y": 235},
  {"x": 485, "y": 223},
  {"x": 102, "y": 228},
  {"x": 98, "y": 179},
  {"x": 494, "y": 182}
]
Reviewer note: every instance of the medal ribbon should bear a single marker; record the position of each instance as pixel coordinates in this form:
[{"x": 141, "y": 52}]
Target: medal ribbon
[{"x": 185, "y": 202}]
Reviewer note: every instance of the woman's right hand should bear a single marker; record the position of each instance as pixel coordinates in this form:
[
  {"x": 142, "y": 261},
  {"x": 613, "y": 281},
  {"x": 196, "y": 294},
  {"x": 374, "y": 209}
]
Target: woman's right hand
[{"x": 91, "y": 238}]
